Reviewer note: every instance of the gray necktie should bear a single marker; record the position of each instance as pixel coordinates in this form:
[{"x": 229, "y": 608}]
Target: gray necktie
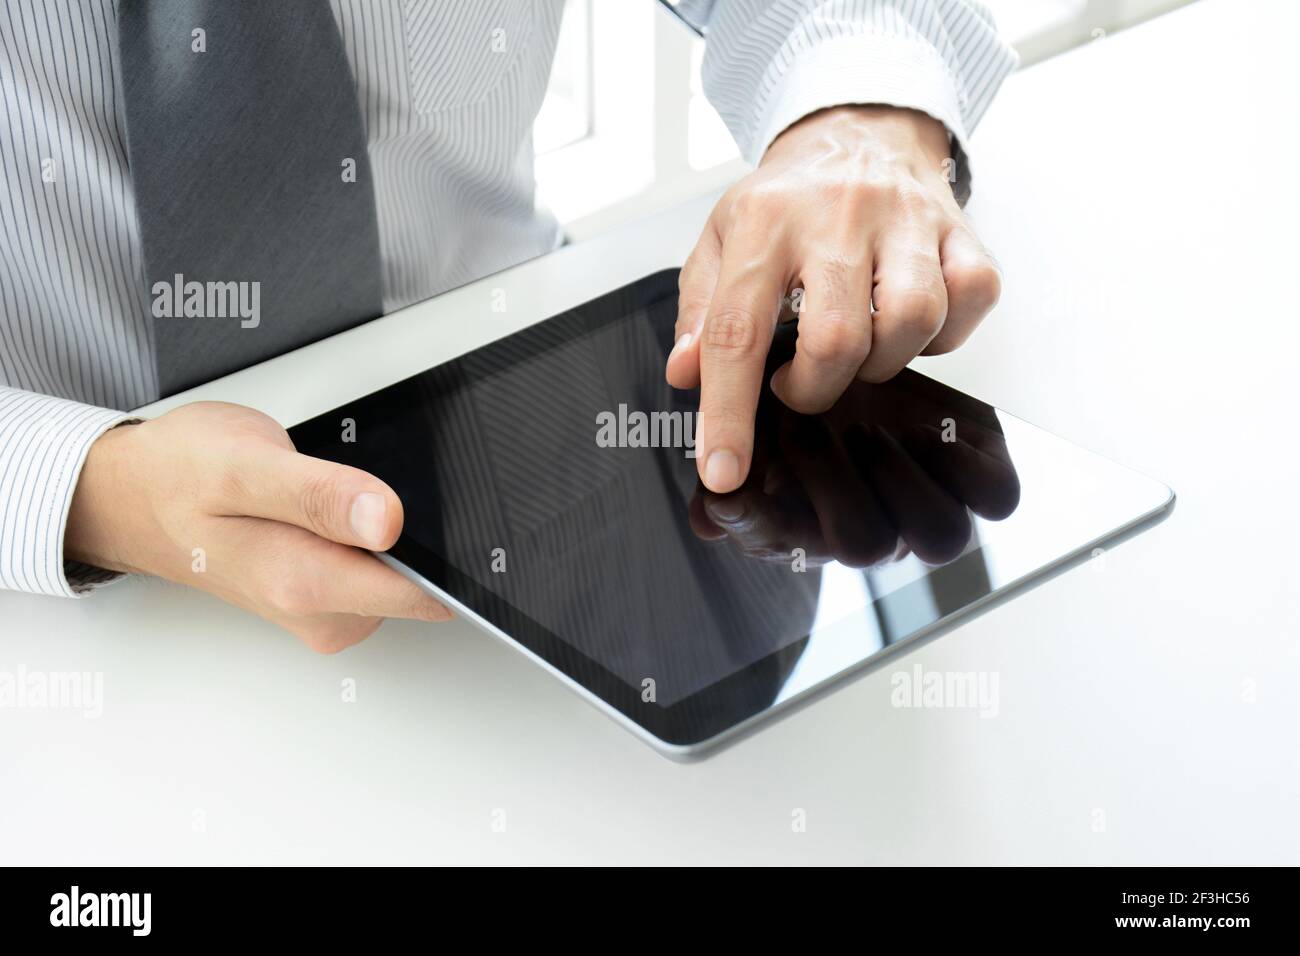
[{"x": 241, "y": 140}]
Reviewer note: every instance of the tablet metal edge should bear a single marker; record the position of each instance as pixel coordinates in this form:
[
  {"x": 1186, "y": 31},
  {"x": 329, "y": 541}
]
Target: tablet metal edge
[{"x": 690, "y": 752}]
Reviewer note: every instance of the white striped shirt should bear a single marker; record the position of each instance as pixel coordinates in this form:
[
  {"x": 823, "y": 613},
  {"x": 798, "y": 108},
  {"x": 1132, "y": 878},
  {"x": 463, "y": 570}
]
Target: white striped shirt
[{"x": 448, "y": 116}]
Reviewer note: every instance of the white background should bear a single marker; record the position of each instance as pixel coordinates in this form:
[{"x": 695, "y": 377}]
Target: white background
[{"x": 1148, "y": 710}]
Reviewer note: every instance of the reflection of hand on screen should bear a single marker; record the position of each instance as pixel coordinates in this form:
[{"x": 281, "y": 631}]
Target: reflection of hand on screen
[{"x": 890, "y": 469}]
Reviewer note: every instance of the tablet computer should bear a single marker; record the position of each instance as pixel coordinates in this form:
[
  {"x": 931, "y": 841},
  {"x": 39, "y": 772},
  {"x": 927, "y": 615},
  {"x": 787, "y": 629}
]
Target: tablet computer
[{"x": 551, "y": 496}]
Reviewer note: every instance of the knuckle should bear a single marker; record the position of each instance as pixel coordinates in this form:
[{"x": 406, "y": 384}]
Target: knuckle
[
  {"x": 942, "y": 344},
  {"x": 731, "y": 330},
  {"x": 922, "y": 309},
  {"x": 353, "y": 632},
  {"x": 876, "y": 375},
  {"x": 912, "y": 200},
  {"x": 362, "y": 628},
  {"x": 331, "y": 637},
  {"x": 749, "y": 203},
  {"x": 838, "y": 339},
  {"x": 858, "y": 191},
  {"x": 691, "y": 304},
  {"x": 978, "y": 288},
  {"x": 906, "y": 197},
  {"x": 317, "y": 501},
  {"x": 292, "y": 595},
  {"x": 320, "y": 640},
  {"x": 903, "y": 196},
  {"x": 874, "y": 192}
]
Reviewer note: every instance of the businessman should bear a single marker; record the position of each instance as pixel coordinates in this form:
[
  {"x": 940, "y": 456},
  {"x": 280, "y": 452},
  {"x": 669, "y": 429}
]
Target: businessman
[{"x": 188, "y": 187}]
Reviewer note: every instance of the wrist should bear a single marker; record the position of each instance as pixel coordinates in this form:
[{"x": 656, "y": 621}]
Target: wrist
[
  {"x": 882, "y": 131},
  {"x": 91, "y": 536}
]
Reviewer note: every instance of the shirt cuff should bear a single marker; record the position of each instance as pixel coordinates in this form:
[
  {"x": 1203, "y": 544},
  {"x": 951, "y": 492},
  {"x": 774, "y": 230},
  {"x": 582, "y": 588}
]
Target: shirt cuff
[
  {"x": 43, "y": 445},
  {"x": 864, "y": 69}
]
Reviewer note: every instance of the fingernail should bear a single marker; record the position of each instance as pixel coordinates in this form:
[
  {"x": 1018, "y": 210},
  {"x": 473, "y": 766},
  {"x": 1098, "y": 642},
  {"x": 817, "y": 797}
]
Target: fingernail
[
  {"x": 682, "y": 345},
  {"x": 728, "y": 510},
  {"x": 367, "y": 518},
  {"x": 722, "y": 473}
]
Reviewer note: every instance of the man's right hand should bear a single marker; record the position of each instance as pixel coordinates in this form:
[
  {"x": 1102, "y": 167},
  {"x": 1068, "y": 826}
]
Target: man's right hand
[{"x": 214, "y": 496}]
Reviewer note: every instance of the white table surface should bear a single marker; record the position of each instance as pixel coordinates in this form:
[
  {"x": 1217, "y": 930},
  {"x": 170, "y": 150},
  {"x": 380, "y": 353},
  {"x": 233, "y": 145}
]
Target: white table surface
[{"x": 1140, "y": 195}]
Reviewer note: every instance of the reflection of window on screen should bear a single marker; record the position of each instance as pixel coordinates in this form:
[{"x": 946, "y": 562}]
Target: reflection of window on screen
[{"x": 843, "y": 594}]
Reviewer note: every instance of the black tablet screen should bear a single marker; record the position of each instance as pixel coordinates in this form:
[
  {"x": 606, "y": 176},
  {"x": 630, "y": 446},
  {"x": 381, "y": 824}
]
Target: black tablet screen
[{"x": 550, "y": 485}]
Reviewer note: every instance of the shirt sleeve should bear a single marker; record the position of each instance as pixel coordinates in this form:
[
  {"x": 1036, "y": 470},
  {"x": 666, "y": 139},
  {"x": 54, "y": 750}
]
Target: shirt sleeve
[
  {"x": 43, "y": 444},
  {"x": 769, "y": 63}
]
